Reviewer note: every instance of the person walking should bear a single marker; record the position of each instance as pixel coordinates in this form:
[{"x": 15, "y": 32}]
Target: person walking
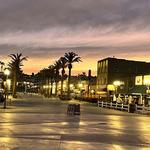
[{"x": 114, "y": 98}]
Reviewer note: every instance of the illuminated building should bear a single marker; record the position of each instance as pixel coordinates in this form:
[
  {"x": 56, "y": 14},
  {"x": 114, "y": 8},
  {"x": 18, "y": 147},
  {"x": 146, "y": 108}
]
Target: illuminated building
[{"x": 113, "y": 69}]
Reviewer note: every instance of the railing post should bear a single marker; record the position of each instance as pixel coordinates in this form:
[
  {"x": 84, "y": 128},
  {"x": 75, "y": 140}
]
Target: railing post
[
  {"x": 102, "y": 103},
  {"x": 111, "y": 105},
  {"x": 116, "y": 105},
  {"x": 136, "y": 107},
  {"x": 106, "y": 104},
  {"x": 143, "y": 108},
  {"x": 122, "y": 107},
  {"x": 98, "y": 103},
  {"x": 128, "y": 108}
]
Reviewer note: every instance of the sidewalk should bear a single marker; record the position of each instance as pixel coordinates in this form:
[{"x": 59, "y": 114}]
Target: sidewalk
[{"x": 42, "y": 124}]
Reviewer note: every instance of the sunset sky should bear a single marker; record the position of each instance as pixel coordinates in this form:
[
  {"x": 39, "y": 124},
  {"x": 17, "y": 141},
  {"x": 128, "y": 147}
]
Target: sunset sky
[{"x": 44, "y": 30}]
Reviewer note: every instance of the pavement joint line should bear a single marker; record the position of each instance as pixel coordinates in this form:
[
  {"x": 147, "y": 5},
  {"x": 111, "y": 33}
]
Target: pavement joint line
[
  {"x": 46, "y": 137},
  {"x": 145, "y": 145}
]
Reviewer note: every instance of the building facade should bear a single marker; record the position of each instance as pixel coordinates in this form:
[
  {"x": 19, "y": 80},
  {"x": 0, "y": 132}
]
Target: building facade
[{"x": 113, "y": 69}]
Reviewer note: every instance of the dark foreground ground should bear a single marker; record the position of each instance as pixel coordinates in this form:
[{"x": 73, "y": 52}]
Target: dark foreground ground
[{"x": 35, "y": 123}]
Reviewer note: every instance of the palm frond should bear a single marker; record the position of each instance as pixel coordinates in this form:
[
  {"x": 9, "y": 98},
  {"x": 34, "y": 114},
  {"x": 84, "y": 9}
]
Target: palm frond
[{"x": 72, "y": 57}]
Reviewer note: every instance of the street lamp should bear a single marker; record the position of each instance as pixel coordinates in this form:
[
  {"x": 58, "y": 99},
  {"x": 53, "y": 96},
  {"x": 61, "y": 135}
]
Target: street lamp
[
  {"x": 80, "y": 85},
  {"x": 71, "y": 86},
  {"x": 7, "y": 85},
  {"x": 7, "y": 72}
]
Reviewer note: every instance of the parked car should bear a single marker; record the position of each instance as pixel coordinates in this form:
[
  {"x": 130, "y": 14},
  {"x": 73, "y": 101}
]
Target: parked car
[{"x": 64, "y": 97}]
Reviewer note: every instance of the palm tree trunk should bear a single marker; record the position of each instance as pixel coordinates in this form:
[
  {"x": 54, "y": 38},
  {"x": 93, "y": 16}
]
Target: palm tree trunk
[
  {"x": 48, "y": 88},
  {"x": 56, "y": 87},
  {"x": 51, "y": 89},
  {"x": 14, "y": 85},
  {"x": 62, "y": 80},
  {"x": 69, "y": 78}
]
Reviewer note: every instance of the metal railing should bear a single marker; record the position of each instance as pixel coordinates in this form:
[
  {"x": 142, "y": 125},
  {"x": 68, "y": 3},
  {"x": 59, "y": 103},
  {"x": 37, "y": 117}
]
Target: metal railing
[
  {"x": 124, "y": 107},
  {"x": 143, "y": 109}
]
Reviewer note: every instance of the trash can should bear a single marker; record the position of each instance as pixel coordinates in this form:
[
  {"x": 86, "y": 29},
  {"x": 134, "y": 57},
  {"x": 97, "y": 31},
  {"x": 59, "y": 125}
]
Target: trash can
[
  {"x": 132, "y": 108},
  {"x": 73, "y": 109},
  {"x": 70, "y": 109},
  {"x": 77, "y": 109}
]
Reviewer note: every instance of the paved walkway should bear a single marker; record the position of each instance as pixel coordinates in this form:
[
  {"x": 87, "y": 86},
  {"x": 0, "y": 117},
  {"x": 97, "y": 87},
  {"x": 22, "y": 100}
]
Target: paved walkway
[{"x": 42, "y": 124}]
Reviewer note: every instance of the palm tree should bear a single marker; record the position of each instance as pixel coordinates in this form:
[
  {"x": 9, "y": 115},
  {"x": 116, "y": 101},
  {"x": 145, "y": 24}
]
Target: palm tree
[
  {"x": 45, "y": 80},
  {"x": 15, "y": 66},
  {"x": 2, "y": 65},
  {"x": 52, "y": 74},
  {"x": 63, "y": 65},
  {"x": 43, "y": 77},
  {"x": 57, "y": 67},
  {"x": 71, "y": 58},
  {"x": 39, "y": 79}
]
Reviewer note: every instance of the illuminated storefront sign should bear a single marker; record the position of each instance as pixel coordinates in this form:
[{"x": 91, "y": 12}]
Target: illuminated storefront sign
[
  {"x": 138, "y": 80},
  {"x": 147, "y": 80},
  {"x": 142, "y": 80},
  {"x": 110, "y": 87}
]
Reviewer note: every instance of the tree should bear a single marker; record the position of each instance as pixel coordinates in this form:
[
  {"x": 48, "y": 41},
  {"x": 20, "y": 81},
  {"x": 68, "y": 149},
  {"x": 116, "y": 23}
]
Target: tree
[
  {"x": 63, "y": 65},
  {"x": 71, "y": 58},
  {"x": 83, "y": 76},
  {"x": 45, "y": 80},
  {"x": 57, "y": 67},
  {"x": 15, "y": 66},
  {"x": 52, "y": 74},
  {"x": 2, "y": 65}
]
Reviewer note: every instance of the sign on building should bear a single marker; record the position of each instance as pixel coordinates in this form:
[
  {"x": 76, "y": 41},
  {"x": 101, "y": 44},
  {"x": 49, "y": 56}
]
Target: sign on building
[
  {"x": 138, "y": 80},
  {"x": 147, "y": 80}
]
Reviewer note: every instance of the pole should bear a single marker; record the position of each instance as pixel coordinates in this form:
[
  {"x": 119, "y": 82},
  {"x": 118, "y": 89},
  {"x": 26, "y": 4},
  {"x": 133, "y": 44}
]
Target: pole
[
  {"x": 116, "y": 89},
  {"x": 6, "y": 94},
  {"x": 5, "y": 101}
]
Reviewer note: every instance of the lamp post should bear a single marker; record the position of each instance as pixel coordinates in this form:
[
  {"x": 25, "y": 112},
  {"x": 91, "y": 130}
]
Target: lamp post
[
  {"x": 80, "y": 88},
  {"x": 6, "y": 73}
]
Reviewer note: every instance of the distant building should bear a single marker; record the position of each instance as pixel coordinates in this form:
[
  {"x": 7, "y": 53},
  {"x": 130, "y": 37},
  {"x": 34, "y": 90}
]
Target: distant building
[
  {"x": 113, "y": 69},
  {"x": 83, "y": 84}
]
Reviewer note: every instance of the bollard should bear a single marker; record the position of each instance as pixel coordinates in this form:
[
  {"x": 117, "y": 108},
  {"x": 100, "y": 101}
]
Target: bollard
[
  {"x": 77, "y": 109},
  {"x": 71, "y": 109},
  {"x": 111, "y": 105}
]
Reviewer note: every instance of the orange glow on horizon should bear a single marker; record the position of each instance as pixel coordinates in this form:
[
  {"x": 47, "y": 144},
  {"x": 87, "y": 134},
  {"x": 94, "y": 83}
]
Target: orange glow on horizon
[{"x": 35, "y": 65}]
